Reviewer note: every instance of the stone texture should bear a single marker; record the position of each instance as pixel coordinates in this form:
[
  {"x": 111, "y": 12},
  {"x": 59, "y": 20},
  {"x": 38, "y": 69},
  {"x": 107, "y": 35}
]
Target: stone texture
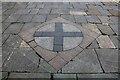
[
  {"x": 105, "y": 29},
  {"x": 22, "y": 11},
  {"x": 114, "y": 12},
  {"x": 27, "y": 26},
  {"x": 47, "y": 55},
  {"x": 93, "y": 19},
  {"x": 13, "y": 41},
  {"x": 77, "y": 12},
  {"x": 105, "y": 56},
  {"x": 65, "y": 76},
  {"x": 97, "y": 76},
  {"x": 69, "y": 55},
  {"x": 93, "y": 45},
  {"x": 92, "y": 27},
  {"x": 34, "y": 11},
  {"x": 44, "y": 11},
  {"x": 50, "y": 17},
  {"x": 30, "y": 75},
  {"x": 115, "y": 28},
  {"x": 105, "y": 42},
  {"x": 14, "y": 28},
  {"x": 57, "y": 62},
  {"x": 39, "y": 18},
  {"x": 68, "y": 42},
  {"x": 80, "y": 19},
  {"x": 60, "y": 11},
  {"x": 4, "y": 75},
  {"x": 5, "y": 26},
  {"x": 68, "y": 17},
  {"x": 85, "y": 62},
  {"x": 114, "y": 40},
  {"x": 25, "y": 18},
  {"x": 104, "y": 19},
  {"x": 33, "y": 44},
  {"x": 12, "y": 18},
  {"x": 45, "y": 42},
  {"x": 93, "y": 12}
]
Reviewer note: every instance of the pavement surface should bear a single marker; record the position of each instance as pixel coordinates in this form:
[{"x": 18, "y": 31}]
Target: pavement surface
[{"x": 59, "y": 40}]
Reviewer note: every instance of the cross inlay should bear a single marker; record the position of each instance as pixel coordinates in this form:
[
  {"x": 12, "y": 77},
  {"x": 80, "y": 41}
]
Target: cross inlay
[{"x": 58, "y": 36}]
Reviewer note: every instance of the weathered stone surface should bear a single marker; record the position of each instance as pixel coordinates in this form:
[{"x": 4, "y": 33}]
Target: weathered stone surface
[
  {"x": 13, "y": 41},
  {"x": 30, "y": 75},
  {"x": 34, "y": 11},
  {"x": 93, "y": 45},
  {"x": 97, "y": 76},
  {"x": 65, "y": 76},
  {"x": 108, "y": 59},
  {"x": 47, "y": 55},
  {"x": 105, "y": 29},
  {"x": 114, "y": 40},
  {"x": 39, "y": 18},
  {"x": 33, "y": 44},
  {"x": 93, "y": 19},
  {"x": 80, "y": 19},
  {"x": 93, "y": 12},
  {"x": 113, "y": 20},
  {"x": 69, "y": 55},
  {"x": 27, "y": 26},
  {"x": 115, "y": 28},
  {"x": 68, "y": 17},
  {"x": 51, "y": 6},
  {"x": 20, "y": 60},
  {"x": 31, "y": 6},
  {"x": 24, "y": 45},
  {"x": 92, "y": 27},
  {"x": 57, "y": 62},
  {"x": 50, "y": 17},
  {"x": 85, "y": 62},
  {"x": 12, "y": 18},
  {"x": 4, "y": 75},
  {"x": 105, "y": 42},
  {"x": 44, "y": 11},
  {"x": 5, "y": 26},
  {"x": 60, "y": 11},
  {"x": 14, "y": 28},
  {"x": 25, "y": 18},
  {"x": 114, "y": 12},
  {"x": 22, "y": 11},
  {"x": 77, "y": 12},
  {"x": 45, "y": 65},
  {"x": 104, "y": 19}
]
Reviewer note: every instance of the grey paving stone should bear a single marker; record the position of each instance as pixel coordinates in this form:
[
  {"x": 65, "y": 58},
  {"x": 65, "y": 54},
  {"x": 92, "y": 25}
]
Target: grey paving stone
[
  {"x": 57, "y": 48},
  {"x": 80, "y": 6},
  {"x": 25, "y": 18},
  {"x": 85, "y": 62},
  {"x": 50, "y": 17},
  {"x": 65, "y": 6},
  {"x": 97, "y": 76},
  {"x": 31, "y": 6},
  {"x": 14, "y": 28},
  {"x": 34, "y": 11},
  {"x": 68, "y": 17},
  {"x": 12, "y": 18},
  {"x": 20, "y": 5},
  {"x": 30, "y": 75},
  {"x": 4, "y": 37},
  {"x": 114, "y": 40},
  {"x": 39, "y": 5},
  {"x": 104, "y": 19},
  {"x": 5, "y": 26},
  {"x": 46, "y": 66},
  {"x": 17, "y": 61},
  {"x": 108, "y": 59},
  {"x": 44, "y": 11},
  {"x": 13, "y": 41},
  {"x": 4, "y": 75},
  {"x": 64, "y": 76},
  {"x": 113, "y": 20},
  {"x": 22, "y": 11},
  {"x": 9, "y": 11},
  {"x": 93, "y": 19},
  {"x": 105, "y": 29},
  {"x": 4, "y": 17},
  {"x": 27, "y": 26},
  {"x": 51, "y": 6},
  {"x": 60, "y": 11},
  {"x": 39, "y": 18},
  {"x": 80, "y": 19},
  {"x": 104, "y": 12},
  {"x": 93, "y": 45}
]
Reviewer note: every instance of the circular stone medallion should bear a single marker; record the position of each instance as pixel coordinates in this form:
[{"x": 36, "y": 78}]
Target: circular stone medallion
[{"x": 58, "y": 37}]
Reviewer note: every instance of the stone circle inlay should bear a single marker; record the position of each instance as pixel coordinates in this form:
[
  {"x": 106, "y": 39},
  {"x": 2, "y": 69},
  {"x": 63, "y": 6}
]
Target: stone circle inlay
[{"x": 58, "y": 36}]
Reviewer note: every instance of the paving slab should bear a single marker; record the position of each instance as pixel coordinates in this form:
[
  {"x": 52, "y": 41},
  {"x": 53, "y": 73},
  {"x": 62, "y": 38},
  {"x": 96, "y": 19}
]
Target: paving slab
[
  {"x": 80, "y": 19},
  {"x": 85, "y": 62},
  {"x": 25, "y": 18},
  {"x": 65, "y": 76},
  {"x": 5, "y": 26},
  {"x": 93, "y": 19},
  {"x": 94, "y": 45},
  {"x": 29, "y": 75},
  {"x": 114, "y": 40},
  {"x": 34, "y": 11},
  {"x": 14, "y": 28},
  {"x": 60, "y": 11},
  {"x": 44, "y": 11},
  {"x": 22, "y": 11},
  {"x": 105, "y": 42},
  {"x": 39, "y": 18},
  {"x": 105, "y": 56}
]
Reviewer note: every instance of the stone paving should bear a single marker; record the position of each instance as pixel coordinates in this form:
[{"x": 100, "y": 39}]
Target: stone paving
[{"x": 84, "y": 43}]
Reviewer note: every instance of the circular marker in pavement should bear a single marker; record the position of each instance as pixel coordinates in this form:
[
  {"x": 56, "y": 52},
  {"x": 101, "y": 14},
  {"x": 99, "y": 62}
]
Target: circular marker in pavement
[{"x": 58, "y": 36}]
